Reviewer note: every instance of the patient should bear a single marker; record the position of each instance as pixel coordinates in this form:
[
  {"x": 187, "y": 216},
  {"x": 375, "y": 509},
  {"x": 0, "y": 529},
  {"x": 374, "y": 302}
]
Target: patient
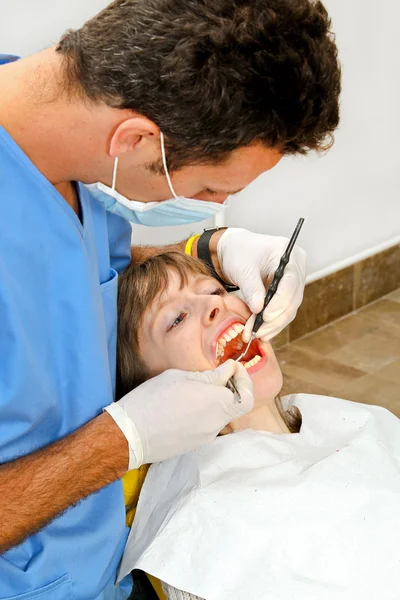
[{"x": 172, "y": 314}]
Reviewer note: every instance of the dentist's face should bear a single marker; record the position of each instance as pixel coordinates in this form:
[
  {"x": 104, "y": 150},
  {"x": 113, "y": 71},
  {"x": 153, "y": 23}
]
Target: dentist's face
[
  {"x": 202, "y": 182},
  {"x": 198, "y": 327}
]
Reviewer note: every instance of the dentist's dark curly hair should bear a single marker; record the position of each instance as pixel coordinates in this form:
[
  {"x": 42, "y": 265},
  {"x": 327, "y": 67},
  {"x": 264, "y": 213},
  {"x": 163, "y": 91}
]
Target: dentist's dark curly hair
[{"x": 214, "y": 75}]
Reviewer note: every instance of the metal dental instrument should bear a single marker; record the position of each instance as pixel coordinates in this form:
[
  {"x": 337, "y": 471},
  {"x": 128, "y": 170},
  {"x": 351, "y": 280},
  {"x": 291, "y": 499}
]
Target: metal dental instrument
[
  {"x": 273, "y": 286},
  {"x": 231, "y": 385}
]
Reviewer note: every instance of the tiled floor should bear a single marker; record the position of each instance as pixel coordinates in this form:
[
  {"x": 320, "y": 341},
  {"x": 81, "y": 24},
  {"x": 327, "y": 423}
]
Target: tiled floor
[{"x": 356, "y": 358}]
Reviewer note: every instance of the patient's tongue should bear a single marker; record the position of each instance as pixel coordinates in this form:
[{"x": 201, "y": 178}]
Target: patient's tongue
[{"x": 233, "y": 348}]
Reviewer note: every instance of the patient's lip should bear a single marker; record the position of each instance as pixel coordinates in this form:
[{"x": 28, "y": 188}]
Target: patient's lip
[
  {"x": 261, "y": 364},
  {"x": 223, "y": 327}
]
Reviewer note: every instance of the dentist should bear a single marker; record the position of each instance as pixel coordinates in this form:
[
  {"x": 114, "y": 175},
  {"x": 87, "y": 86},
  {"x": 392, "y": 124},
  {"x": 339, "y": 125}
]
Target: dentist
[{"x": 172, "y": 105}]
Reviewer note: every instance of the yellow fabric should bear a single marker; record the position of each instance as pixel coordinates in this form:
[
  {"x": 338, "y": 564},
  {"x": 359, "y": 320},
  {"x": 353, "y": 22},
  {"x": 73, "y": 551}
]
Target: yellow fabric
[
  {"x": 132, "y": 484},
  {"x": 189, "y": 244},
  {"x": 156, "y": 583}
]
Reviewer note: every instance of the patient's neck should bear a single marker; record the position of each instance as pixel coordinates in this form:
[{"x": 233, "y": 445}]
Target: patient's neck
[{"x": 265, "y": 416}]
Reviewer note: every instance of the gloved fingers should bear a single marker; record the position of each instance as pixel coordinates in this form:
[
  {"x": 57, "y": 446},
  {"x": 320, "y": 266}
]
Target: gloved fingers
[
  {"x": 290, "y": 288},
  {"x": 178, "y": 411},
  {"x": 252, "y": 287},
  {"x": 234, "y": 409},
  {"x": 220, "y": 375},
  {"x": 244, "y": 386},
  {"x": 254, "y": 283},
  {"x": 280, "y": 311},
  {"x": 217, "y": 376},
  {"x": 270, "y": 329},
  {"x": 247, "y": 331},
  {"x": 288, "y": 296},
  {"x": 298, "y": 260},
  {"x": 299, "y": 257}
]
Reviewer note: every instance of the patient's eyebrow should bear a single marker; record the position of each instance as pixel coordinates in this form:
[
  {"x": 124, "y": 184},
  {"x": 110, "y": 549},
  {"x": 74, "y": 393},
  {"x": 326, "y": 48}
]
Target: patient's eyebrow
[
  {"x": 157, "y": 307},
  {"x": 160, "y": 305}
]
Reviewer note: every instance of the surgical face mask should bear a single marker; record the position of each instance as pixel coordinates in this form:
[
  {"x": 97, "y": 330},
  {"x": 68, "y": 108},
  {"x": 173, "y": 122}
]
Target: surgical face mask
[{"x": 177, "y": 211}]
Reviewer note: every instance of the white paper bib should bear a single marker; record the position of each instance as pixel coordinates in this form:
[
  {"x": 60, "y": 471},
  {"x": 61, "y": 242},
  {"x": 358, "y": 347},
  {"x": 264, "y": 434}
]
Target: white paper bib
[{"x": 261, "y": 516}]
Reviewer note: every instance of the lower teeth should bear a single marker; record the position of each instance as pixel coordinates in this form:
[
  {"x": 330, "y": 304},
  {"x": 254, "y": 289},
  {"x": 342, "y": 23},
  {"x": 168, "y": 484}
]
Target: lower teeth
[{"x": 252, "y": 362}]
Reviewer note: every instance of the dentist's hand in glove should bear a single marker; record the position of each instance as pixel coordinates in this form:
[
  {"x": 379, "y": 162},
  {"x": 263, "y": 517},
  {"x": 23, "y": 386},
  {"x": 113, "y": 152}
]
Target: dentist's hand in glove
[
  {"x": 250, "y": 259},
  {"x": 179, "y": 411}
]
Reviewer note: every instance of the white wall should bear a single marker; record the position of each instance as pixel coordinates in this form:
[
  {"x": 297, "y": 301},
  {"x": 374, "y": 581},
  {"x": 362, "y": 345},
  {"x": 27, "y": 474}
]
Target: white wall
[
  {"x": 27, "y": 26},
  {"x": 350, "y": 197}
]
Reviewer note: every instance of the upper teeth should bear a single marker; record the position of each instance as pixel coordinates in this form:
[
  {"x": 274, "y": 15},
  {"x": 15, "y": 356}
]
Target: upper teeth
[{"x": 227, "y": 337}]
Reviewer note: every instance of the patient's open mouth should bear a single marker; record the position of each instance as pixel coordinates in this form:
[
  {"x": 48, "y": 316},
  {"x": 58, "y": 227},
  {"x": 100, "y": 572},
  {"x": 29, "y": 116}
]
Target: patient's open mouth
[{"x": 230, "y": 345}]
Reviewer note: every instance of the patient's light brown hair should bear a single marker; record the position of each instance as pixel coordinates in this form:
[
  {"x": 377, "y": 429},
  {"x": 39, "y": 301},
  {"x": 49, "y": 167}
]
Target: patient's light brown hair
[{"x": 138, "y": 287}]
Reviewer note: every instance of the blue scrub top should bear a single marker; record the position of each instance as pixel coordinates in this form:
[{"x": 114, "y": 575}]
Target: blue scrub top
[{"x": 58, "y": 292}]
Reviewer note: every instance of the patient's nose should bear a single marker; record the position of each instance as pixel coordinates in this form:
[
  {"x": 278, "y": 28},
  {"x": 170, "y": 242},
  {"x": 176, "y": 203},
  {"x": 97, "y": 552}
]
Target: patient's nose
[
  {"x": 211, "y": 315},
  {"x": 213, "y": 310}
]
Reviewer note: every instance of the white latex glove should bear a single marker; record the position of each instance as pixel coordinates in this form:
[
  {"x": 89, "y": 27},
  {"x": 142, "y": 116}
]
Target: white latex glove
[
  {"x": 247, "y": 259},
  {"x": 179, "y": 411}
]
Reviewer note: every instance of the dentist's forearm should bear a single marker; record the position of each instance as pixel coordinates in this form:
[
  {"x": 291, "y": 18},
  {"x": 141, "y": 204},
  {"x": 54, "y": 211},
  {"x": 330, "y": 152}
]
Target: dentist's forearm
[
  {"x": 141, "y": 253},
  {"x": 38, "y": 487}
]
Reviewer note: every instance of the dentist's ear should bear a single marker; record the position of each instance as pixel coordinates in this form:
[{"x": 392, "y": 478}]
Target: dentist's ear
[{"x": 137, "y": 134}]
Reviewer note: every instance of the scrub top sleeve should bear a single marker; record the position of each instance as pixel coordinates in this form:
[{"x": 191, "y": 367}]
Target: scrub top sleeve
[{"x": 119, "y": 235}]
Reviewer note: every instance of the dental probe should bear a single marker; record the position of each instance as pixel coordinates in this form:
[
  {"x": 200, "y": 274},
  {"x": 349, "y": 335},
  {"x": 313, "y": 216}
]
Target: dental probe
[
  {"x": 232, "y": 387},
  {"x": 274, "y": 285}
]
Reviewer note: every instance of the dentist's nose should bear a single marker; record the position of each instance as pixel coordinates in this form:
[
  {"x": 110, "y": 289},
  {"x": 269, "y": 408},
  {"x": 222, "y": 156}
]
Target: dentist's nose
[{"x": 218, "y": 198}]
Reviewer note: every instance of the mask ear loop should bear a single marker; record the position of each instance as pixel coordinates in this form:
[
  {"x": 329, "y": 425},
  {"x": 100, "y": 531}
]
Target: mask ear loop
[
  {"x": 164, "y": 162},
  {"x": 114, "y": 175}
]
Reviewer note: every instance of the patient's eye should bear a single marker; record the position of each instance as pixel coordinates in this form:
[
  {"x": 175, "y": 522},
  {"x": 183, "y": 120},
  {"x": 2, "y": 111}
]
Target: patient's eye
[{"x": 179, "y": 319}]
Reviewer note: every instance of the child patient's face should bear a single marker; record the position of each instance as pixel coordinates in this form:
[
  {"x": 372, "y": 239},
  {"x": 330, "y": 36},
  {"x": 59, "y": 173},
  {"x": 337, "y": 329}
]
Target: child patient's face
[{"x": 198, "y": 327}]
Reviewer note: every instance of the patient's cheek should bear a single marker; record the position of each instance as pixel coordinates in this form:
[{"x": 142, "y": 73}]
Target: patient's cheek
[
  {"x": 268, "y": 380},
  {"x": 186, "y": 354},
  {"x": 183, "y": 353},
  {"x": 237, "y": 306}
]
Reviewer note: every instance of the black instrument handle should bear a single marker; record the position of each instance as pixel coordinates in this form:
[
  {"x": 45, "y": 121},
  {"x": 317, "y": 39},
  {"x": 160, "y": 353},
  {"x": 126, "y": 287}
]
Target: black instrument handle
[{"x": 278, "y": 275}]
